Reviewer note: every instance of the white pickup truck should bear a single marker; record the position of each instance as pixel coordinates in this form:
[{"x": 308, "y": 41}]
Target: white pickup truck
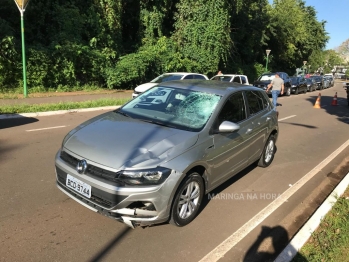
[{"x": 241, "y": 79}]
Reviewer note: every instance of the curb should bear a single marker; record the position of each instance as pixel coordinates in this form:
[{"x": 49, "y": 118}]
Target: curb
[
  {"x": 58, "y": 112},
  {"x": 311, "y": 225}
]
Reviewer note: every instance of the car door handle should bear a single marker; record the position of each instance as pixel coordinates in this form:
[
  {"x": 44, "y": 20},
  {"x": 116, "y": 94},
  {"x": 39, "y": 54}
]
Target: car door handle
[
  {"x": 268, "y": 118},
  {"x": 249, "y": 131}
]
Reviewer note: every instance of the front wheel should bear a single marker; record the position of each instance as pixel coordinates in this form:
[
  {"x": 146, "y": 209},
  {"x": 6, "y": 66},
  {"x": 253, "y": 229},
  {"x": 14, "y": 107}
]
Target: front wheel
[
  {"x": 187, "y": 200},
  {"x": 268, "y": 152},
  {"x": 288, "y": 92}
]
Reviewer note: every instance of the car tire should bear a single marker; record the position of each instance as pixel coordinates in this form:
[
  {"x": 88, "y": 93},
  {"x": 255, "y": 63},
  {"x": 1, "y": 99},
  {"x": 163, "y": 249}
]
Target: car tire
[
  {"x": 288, "y": 91},
  {"x": 187, "y": 201},
  {"x": 296, "y": 91},
  {"x": 268, "y": 152}
]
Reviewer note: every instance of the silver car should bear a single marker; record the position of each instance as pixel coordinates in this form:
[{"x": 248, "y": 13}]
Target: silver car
[{"x": 153, "y": 160}]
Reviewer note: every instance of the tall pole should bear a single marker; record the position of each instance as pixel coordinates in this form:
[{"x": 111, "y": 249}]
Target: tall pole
[
  {"x": 22, "y": 4},
  {"x": 266, "y": 65},
  {"x": 25, "y": 91}
]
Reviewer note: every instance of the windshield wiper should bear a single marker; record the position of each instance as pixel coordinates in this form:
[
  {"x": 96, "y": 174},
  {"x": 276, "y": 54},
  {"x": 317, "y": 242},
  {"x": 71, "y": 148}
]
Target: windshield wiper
[
  {"x": 122, "y": 113},
  {"x": 156, "y": 123}
]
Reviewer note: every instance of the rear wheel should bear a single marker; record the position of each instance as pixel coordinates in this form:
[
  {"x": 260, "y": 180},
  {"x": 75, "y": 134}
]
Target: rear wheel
[
  {"x": 268, "y": 152},
  {"x": 296, "y": 91},
  {"x": 187, "y": 200}
]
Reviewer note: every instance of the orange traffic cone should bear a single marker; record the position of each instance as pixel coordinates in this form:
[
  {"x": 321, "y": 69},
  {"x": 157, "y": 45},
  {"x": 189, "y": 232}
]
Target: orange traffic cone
[
  {"x": 334, "y": 101},
  {"x": 318, "y": 100}
]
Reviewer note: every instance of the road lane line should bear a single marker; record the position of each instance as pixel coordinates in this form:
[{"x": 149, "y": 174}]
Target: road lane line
[
  {"x": 287, "y": 117},
  {"x": 46, "y": 128},
  {"x": 219, "y": 252}
]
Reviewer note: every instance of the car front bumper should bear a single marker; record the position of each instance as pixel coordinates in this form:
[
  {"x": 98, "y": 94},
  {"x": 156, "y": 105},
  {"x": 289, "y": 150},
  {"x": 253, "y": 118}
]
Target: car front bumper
[{"x": 132, "y": 205}]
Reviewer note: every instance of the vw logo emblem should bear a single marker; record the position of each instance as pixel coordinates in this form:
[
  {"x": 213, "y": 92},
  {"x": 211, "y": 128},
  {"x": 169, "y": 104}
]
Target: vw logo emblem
[{"x": 81, "y": 166}]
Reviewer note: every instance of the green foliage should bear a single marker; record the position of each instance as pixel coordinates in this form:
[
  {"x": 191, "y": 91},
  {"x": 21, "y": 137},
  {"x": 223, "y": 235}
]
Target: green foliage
[
  {"x": 330, "y": 241},
  {"x": 202, "y": 34},
  {"x": 120, "y": 44}
]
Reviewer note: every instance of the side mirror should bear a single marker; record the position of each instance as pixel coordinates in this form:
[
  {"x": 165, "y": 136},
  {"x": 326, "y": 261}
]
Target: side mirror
[{"x": 228, "y": 127}]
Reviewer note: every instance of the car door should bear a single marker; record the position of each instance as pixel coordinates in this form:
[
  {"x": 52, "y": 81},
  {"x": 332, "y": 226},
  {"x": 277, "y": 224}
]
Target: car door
[
  {"x": 259, "y": 115},
  {"x": 230, "y": 152}
]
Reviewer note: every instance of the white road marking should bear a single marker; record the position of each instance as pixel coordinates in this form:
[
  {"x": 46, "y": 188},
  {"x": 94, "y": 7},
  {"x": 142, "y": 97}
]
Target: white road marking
[
  {"x": 287, "y": 117},
  {"x": 242, "y": 232},
  {"x": 46, "y": 128}
]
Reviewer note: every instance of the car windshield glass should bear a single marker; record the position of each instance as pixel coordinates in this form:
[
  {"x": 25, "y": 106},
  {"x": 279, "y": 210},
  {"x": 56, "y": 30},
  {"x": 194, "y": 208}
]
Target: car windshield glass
[
  {"x": 164, "y": 78},
  {"x": 177, "y": 108},
  {"x": 266, "y": 77},
  {"x": 222, "y": 78},
  {"x": 294, "y": 80}
]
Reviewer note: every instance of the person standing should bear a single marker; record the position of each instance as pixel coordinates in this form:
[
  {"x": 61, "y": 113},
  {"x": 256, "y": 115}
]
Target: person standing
[{"x": 278, "y": 88}]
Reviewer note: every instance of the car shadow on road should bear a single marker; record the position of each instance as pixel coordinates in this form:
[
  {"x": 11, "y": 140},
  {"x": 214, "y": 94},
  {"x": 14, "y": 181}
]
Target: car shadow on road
[
  {"x": 12, "y": 122},
  {"x": 341, "y": 110}
]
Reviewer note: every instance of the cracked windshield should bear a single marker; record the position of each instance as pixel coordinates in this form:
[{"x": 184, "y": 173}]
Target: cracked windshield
[{"x": 178, "y": 108}]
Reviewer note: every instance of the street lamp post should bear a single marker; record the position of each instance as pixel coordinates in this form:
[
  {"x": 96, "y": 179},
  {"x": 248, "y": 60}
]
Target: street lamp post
[
  {"x": 304, "y": 62},
  {"x": 266, "y": 65},
  {"x": 21, "y": 4}
]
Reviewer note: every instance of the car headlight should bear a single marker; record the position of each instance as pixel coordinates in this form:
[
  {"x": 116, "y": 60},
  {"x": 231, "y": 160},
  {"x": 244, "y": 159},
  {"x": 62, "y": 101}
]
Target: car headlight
[
  {"x": 293, "y": 86},
  {"x": 154, "y": 176}
]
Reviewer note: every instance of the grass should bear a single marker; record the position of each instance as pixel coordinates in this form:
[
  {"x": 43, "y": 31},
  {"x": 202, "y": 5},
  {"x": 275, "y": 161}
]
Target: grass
[
  {"x": 330, "y": 242},
  {"x": 17, "y": 93},
  {"x": 26, "y": 108}
]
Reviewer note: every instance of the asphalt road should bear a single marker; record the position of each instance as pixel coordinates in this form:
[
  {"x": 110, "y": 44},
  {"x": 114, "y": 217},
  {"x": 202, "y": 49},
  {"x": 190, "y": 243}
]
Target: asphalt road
[{"x": 40, "y": 223}]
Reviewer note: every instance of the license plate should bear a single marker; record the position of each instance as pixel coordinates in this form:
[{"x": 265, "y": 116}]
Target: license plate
[{"x": 78, "y": 186}]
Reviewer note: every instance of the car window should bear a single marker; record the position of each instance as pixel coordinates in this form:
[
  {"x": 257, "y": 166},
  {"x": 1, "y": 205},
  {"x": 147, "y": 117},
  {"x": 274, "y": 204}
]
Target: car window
[
  {"x": 264, "y": 99},
  {"x": 198, "y": 77},
  {"x": 222, "y": 78},
  {"x": 178, "y": 108},
  {"x": 189, "y": 77},
  {"x": 236, "y": 79},
  {"x": 164, "y": 78},
  {"x": 243, "y": 80},
  {"x": 255, "y": 102},
  {"x": 233, "y": 110}
]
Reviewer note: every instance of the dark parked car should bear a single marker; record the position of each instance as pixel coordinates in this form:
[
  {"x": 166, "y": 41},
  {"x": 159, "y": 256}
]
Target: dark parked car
[
  {"x": 298, "y": 84},
  {"x": 319, "y": 82},
  {"x": 154, "y": 159},
  {"x": 264, "y": 80},
  {"x": 311, "y": 84}
]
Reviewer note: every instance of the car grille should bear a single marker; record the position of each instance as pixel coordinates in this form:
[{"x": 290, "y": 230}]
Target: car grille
[
  {"x": 91, "y": 170},
  {"x": 98, "y": 197}
]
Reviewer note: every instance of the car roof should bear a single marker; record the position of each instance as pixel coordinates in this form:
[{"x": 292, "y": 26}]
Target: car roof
[
  {"x": 208, "y": 86},
  {"x": 229, "y": 75},
  {"x": 181, "y": 73}
]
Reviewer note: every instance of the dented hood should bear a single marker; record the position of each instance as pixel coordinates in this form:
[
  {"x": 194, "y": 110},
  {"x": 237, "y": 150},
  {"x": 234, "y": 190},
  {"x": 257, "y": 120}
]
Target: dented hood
[{"x": 121, "y": 142}]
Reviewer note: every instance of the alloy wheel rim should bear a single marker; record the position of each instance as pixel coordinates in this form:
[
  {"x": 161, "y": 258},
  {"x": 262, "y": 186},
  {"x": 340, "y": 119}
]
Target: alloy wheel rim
[
  {"x": 189, "y": 199},
  {"x": 269, "y": 151}
]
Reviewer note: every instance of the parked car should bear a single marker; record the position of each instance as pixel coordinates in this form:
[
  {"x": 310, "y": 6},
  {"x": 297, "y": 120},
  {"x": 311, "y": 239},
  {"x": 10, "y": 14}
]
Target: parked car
[
  {"x": 319, "y": 82},
  {"x": 167, "y": 77},
  {"x": 298, "y": 84},
  {"x": 241, "y": 79},
  {"x": 264, "y": 80},
  {"x": 326, "y": 82},
  {"x": 311, "y": 84},
  {"x": 330, "y": 80},
  {"x": 152, "y": 160}
]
